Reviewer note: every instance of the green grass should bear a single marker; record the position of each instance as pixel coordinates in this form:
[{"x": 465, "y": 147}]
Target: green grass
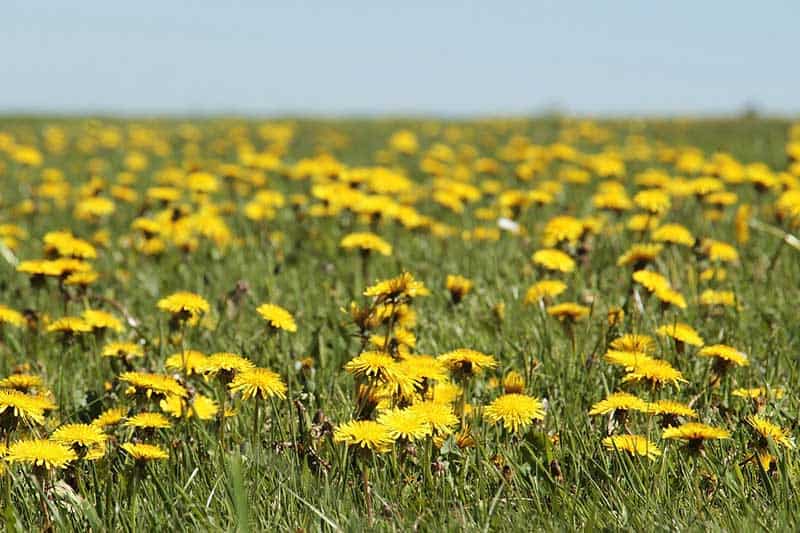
[{"x": 290, "y": 475}]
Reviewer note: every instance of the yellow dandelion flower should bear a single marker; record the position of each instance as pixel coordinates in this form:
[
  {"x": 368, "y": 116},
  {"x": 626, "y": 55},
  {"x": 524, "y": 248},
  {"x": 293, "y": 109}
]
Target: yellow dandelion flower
[
  {"x": 671, "y": 408},
  {"x": 366, "y": 242},
  {"x": 632, "y": 444},
  {"x": 562, "y": 228},
  {"x": 147, "y": 421},
  {"x": 652, "y": 281},
  {"x": 201, "y": 407},
  {"x": 513, "y": 383},
  {"x": 225, "y": 363},
  {"x": 634, "y": 342},
  {"x": 629, "y": 359},
  {"x": 639, "y": 254},
  {"x": 21, "y": 382},
  {"x": 654, "y": 201},
  {"x": 656, "y": 371},
  {"x": 42, "y": 453},
  {"x": 719, "y": 251},
  {"x": 674, "y": 234},
  {"x": 127, "y": 350},
  {"x": 618, "y": 401},
  {"x": 102, "y": 320},
  {"x": 770, "y": 432},
  {"x": 110, "y": 417},
  {"x": 405, "y": 424},
  {"x": 70, "y": 325},
  {"x": 711, "y": 297},
  {"x": 667, "y": 295},
  {"x": 184, "y": 304},
  {"x": 277, "y": 317},
  {"x": 681, "y": 332},
  {"x": 546, "y": 288},
  {"x": 552, "y": 259},
  {"x": 144, "y": 452},
  {"x": 377, "y": 366},
  {"x": 258, "y": 382},
  {"x": 20, "y": 406},
  {"x": 725, "y": 353},
  {"x": 153, "y": 384},
  {"x": 402, "y": 286},
  {"x": 467, "y": 361},
  {"x": 10, "y": 316},
  {"x": 569, "y": 311},
  {"x": 365, "y": 434},
  {"x": 439, "y": 416},
  {"x": 458, "y": 286},
  {"x": 695, "y": 431},
  {"x": 515, "y": 411},
  {"x": 190, "y": 361}
]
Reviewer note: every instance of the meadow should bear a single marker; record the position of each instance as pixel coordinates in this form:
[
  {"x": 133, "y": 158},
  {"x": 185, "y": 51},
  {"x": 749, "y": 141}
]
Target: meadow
[{"x": 519, "y": 324}]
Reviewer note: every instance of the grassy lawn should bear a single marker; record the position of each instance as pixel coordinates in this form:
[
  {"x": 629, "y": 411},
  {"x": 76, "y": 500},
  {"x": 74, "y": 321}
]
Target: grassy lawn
[{"x": 118, "y": 215}]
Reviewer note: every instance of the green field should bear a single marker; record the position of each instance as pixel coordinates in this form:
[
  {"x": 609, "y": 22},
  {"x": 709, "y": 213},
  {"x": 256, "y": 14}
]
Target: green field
[{"x": 117, "y": 215}]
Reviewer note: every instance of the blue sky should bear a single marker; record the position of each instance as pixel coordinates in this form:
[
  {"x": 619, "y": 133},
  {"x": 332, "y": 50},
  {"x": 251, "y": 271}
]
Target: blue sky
[{"x": 348, "y": 57}]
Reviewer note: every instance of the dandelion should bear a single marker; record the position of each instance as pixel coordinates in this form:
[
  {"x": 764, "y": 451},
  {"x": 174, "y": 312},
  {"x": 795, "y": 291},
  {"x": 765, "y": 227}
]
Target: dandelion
[
  {"x": 727, "y": 355},
  {"x": 458, "y": 286},
  {"x": 277, "y": 317},
  {"x": 184, "y": 306},
  {"x": 555, "y": 260},
  {"x": 655, "y": 371},
  {"x": 258, "y": 382},
  {"x": 16, "y": 406},
  {"x": 682, "y": 334},
  {"x": 10, "y": 316},
  {"x": 125, "y": 350},
  {"x": 41, "y": 453},
  {"x": 152, "y": 384},
  {"x": 189, "y": 361},
  {"x": 466, "y": 361},
  {"x": 405, "y": 424},
  {"x": 769, "y": 432},
  {"x": 143, "y": 453},
  {"x": 366, "y": 242},
  {"x": 364, "y": 434},
  {"x": 110, "y": 417},
  {"x": 695, "y": 433},
  {"x": 514, "y": 411},
  {"x": 632, "y": 444},
  {"x": 639, "y": 255},
  {"x": 568, "y": 312},
  {"x": 101, "y": 321},
  {"x": 544, "y": 289},
  {"x": 148, "y": 421},
  {"x": 21, "y": 382},
  {"x": 619, "y": 401},
  {"x": 396, "y": 289},
  {"x": 634, "y": 342},
  {"x": 88, "y": 441}
]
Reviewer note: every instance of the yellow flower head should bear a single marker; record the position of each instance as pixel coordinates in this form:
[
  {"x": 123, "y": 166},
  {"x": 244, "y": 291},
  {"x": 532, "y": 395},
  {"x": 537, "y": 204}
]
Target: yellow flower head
[
  {"x": 627, "y": 359},
  {"x": 467, "y": 361},
  {"x": 127, "y": 350},
  {"x": 184, "y": 304},
  {"x": 403, "y": 286},
  {"x": 225, "y": 363},
  {"x": 771, "y": 432},
  {"x": 10, "y": 316},
  {"x": 515, "y": 411},
  {"x": 190, "y": 361},
  {"x": 562, "y": 228},
  {"x": 21, "y": 382},
  {"x": 618, "y": 401},
  {"x": 632, "y": 444},
  {"x": 458, "y": 286},
  {"x": 101, "y": 320},
  {"x": 674, "y": 234},
  {"x": 405, "y": 424},
  {"x": 552, "y": 259},
  {"x": 151, "y": 384},
  {"x": 439, "y": 416},
  {"x": 725, "y": 353},
  {"x": 258, "y": 382},
  {"x": 144, "y": 452},
  {"x": 69, "y": 325},
  {"x": 695, "y": 431},
  {"x": 569, "y": 311},
  {"x": 639, "y": 254},
  {"x": 711, "y": 297},
  {"x": 21, "y": 406},
  {"x": 148, "y": 421},
  {"x": 366, "y": 242},
  {"x": 365, "y": 434},
  {"x": 656, "y": 371},
  {"x": 546, "y": 288},
  {"x": 671, "y": 408},
  {"x": 85, "y": 435},
  {"x": 634, "y": 342},
  {"x": 41, "y": 453},
  {"x": 277, "y": 317},
  {"x": 109, "y": 417},
  {"x": 681, "y": 332}
]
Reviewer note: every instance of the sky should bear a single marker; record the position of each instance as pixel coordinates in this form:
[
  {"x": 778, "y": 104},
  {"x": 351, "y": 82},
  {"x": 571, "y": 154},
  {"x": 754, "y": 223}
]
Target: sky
[{"x": 396, "y": 58}]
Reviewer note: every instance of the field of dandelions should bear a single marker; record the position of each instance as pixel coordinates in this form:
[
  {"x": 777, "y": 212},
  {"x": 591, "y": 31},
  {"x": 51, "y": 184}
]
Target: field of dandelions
[{"x": 397, "y": 325}]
